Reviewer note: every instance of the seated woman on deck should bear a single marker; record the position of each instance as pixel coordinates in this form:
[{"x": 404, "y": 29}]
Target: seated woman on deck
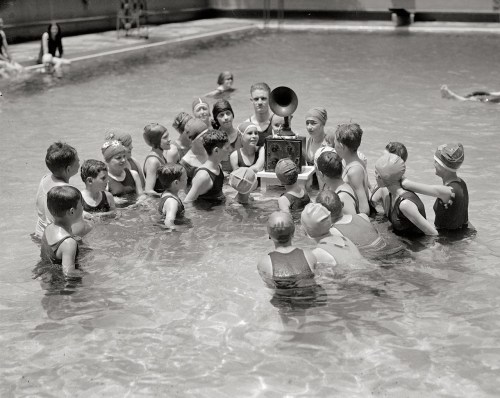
[{"x": 478, "y": 96}]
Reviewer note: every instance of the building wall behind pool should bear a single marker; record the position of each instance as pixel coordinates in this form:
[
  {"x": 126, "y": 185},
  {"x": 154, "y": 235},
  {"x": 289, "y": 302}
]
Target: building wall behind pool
[{"x": 28, "y": 19}]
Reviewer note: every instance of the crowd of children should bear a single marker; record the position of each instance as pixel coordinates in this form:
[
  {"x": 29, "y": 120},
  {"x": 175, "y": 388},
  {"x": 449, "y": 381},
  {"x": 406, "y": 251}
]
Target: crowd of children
[{"x": 206, "y": 150}]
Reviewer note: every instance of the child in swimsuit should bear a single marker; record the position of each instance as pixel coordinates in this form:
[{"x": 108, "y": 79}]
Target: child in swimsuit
[
  {"x": 209, "y": 178},
  {"x": 196, "y": 156},
  {"x": 329, "y": 166},
  {"x": 157, "y": 137},
  {"x": 406, "y": 211},
  {"x": 315, "y": 123},
  {"x": 182, "y": 144},
  {"x": 249, "y": 155},
  {"x": 223, "y": 120},
  {"x": 225, "y": 82},
  {"x": 174, "y": 178},
  {"x": 452, "y": 203},
  {"x": 347, "y": 142},
  {"x": 295, "y": 198},
  {"x": 94, "y": 174},
  {"x": 287, "y": 266},
  {"x": 59, "y": 245},
  {"x": 317, "y": 222}
]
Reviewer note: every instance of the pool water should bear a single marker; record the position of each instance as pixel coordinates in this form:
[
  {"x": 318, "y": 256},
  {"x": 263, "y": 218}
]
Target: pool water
[{"x": 186, "y": 313}]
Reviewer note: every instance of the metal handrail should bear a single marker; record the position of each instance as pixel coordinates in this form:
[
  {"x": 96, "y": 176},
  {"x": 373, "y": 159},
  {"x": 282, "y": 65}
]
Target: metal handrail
[{"x": 280, "y": 11}]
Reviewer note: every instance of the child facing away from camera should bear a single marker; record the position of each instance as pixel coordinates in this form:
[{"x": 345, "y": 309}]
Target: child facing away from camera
[
  {"x": 63, "y": 162},
  {"x": 208, "y": 179},
  {"x": 317, "y": 222},
  {"x": 295, "y": 196},
  {"x": 174, "y": 178},
  {"x": 347, "y": 142},
  {"x": 452, "y": 203},
  {"x": 329, "y": 169},
  {"x": 59, "y": 244},
  {"x": 96, "y": 199},
  {"x": 287, "y": 266}
]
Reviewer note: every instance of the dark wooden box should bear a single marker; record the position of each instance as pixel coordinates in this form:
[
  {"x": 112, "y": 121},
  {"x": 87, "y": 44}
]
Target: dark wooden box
[{"x": 279, "y": 148}]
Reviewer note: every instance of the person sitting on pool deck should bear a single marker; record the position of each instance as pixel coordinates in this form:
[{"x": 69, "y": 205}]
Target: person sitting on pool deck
[
  {"x": 317, "y": 223},
  {"x": 262, "y": 117},
  {"x": 287, "y": 266},
  {"x": 182, "y": 144},
  {"x": 94, "y": 174},
  {"x": 196, "y": 156},
  {"x": 452, "y": 203},
  {"x": 478, "y": 96},
  {"x": 174, "y": 178},
  {"x": 157, "y": 137},
  {"x": 295, "y": 196},
  {"x": 329, "y": 166},
  {"x": 209, "y": 178},
  {"x": 406, "y": 211},
  {"x": 59, "y": 244}
]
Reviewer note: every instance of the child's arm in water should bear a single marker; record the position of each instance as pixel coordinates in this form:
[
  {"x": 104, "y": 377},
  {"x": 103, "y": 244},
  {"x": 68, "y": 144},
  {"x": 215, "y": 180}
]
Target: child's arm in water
[
  {"x": 68, "y": 256},
  {"x": 259, "y": 164},
  {"x": 411, "y": 212},
  {"x": 170, "y": 208},
  {"x": 284, "y": 204},
  {"x": 233, "y": 159},
  {"x": 355, "y": 177},
  {"x": 443, "y": 192}
]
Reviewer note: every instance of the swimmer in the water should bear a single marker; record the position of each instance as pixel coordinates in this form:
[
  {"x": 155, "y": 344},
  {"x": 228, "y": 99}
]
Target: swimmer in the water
[
  {"x": 225, "y": 82},
  {"x": 182, "y": 144},
  {"x": 295, "y": 196},
  {"x": 201, "y": 110},
  {"x": 96, "y": 199},
  {"x": 478, "y": 96},
  {"x": 174, "y": 178}
]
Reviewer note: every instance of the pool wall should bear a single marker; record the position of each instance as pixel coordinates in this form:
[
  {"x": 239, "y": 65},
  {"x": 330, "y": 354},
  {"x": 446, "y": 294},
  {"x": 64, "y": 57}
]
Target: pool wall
[{"x": 28, "y": 19}]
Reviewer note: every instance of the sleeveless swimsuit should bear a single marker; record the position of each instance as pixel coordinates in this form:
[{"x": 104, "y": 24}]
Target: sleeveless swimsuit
[
  {"x": 297, "y": 203},
  {"x": 354, "y": 198},
  {"x": 311, "y": 157},
  {"x": 190, "y": 170},
  {"x": 49, "y": 252},
  {"x": 241, "y": 162},
  {"x": 120, "y": 188},
  {"x": 456, "y": 215},
  {"x": 264, "y": 133},
  {"x": 359, "y": 231},
  {"x": 102, "y": 206},
  {"x": 180, "y": 207},
  {"x": 158, "y": 185},
  {"x": 400, "y": 224},
  {"x": 365, "y": 183},
  {"x": 288, "y": 269},
  {"x": 214, "y": 194}
]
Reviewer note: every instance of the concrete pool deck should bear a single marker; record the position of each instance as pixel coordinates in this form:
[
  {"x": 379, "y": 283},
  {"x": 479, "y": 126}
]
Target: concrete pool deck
[{"x": 94, "y": 45}]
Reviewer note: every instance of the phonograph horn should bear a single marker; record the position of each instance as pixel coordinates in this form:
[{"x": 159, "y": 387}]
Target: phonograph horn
[{"x": 283, "y": 101}]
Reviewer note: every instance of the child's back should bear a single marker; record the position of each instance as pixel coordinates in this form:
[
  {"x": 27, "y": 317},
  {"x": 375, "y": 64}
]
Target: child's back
[{"x": 295, "y": 198}]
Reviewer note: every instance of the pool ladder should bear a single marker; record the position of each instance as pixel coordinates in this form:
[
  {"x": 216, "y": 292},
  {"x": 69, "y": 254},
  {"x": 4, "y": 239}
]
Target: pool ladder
[{"x": 280, "y": 12}]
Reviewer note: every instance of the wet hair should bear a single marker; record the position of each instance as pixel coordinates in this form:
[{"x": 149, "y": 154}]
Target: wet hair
[
  {"x": 213, "y": 138},
  {"x": 59, "y": 156},
  {"x": 223, "y": 75},
  {"x": 220, "y": 106},
  {"x": 58, "y": 37},
  {"x": 331, "y": 201},
  {"x": 397, "y": 148},
  {"x": 260, "y": 86},
  {"x": 60, "y": 199},
  {"x": 168, "y": 173},
  {"x": 349, "y": 135},
  {"x": 92, "y": 168},
  {"x": 180, "y": 121},
  {"x": 330, "y": 164},
  {"x": 153, "y": 133}
]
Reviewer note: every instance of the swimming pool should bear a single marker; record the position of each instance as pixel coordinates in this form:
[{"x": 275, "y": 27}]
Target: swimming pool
[{"x": 186, "y": 314}]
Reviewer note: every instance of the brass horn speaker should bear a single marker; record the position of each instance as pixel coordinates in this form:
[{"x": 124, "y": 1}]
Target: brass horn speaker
[{"x": 283, "y": 102}]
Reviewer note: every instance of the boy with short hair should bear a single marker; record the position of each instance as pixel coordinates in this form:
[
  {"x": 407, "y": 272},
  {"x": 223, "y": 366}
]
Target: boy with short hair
[
  {"x": 287, "y": 266},
  {"x": 347, "y": 142},
  {"x": 295, "y": 197},
  {"x": 174, "y": 178},
  {"x": 330, "y": 172},
  {"x": 209, "y": 178},
  {"x": 262, "y": 117},
  {"x": 59, "y": 245},
  {"x": 316, "y": 221},
  {"x": 96, "y": 199},
  {"x": 62, "y": 161}
]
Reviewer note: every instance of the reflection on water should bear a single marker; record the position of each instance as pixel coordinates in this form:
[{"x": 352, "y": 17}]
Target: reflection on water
[{"x": 185, "y": 312}]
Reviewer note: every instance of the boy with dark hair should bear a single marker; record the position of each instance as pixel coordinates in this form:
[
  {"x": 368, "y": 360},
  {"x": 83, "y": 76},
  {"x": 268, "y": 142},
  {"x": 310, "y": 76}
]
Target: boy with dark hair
[
  {"x": 62, "y": 161},
  {"x": 347, "y": 142},
  {"x": 209, "y": 178},
  {"x": 96, "y": 199},
  {"x": 174, "y": 178},
  {"x": 59, "y": 245},
  {"x": 295, "y": 196},
  {"x": 330, "y": 168},
  {"x": 397, "y": 148}
]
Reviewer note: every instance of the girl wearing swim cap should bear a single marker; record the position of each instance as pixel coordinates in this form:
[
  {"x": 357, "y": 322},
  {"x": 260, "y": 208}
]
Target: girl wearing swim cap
[
  {"x": 315, "y": 123},
  {"x": 249, "y": 155},
  {"x": 406, "y": 212},
  {"x": 223, "y": 120},
  {"x": 201, "y": 110},
  {"x": 157, "y": 137},
  {"x": 182, "y": 144}
]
